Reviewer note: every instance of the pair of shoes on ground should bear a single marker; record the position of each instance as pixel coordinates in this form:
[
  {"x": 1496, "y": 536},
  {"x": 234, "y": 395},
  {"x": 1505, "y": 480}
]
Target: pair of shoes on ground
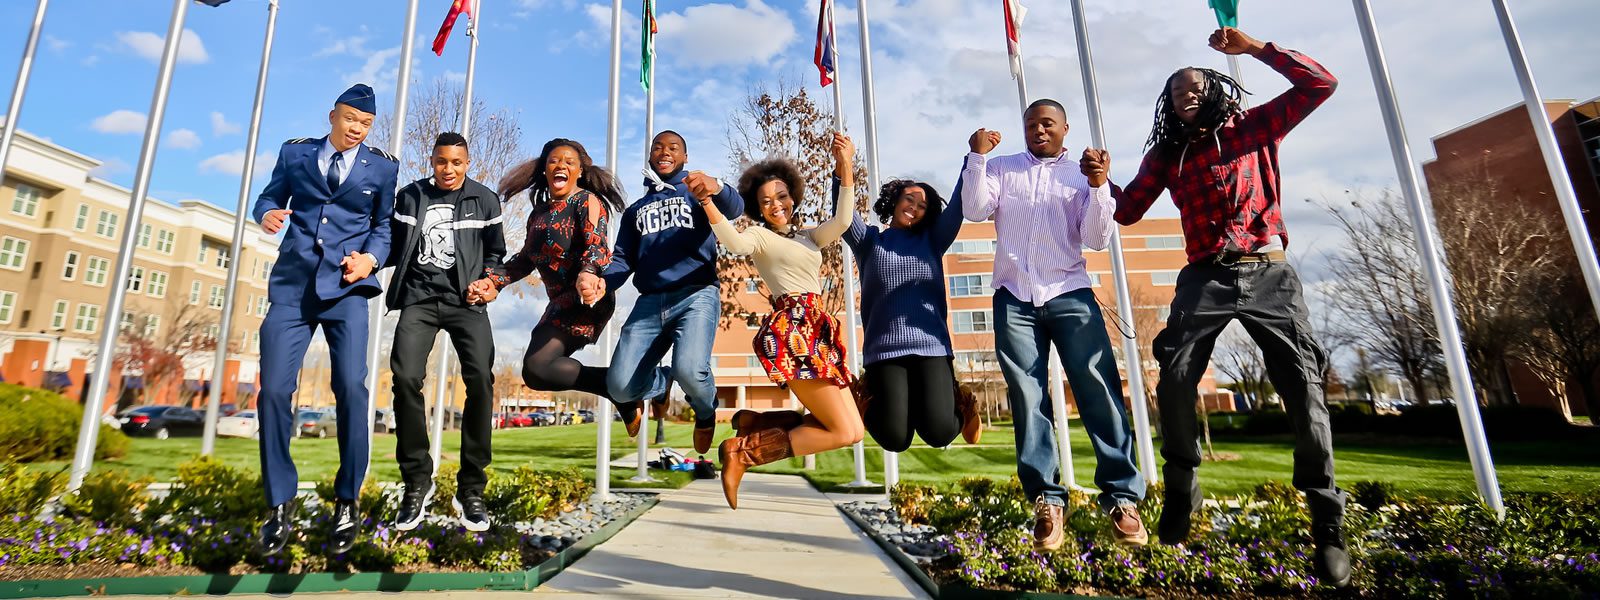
[
  {"x": 415, "y": 500},
  {"x": 1329, "y": 558},
  {"x": 1049, "y": 525}
]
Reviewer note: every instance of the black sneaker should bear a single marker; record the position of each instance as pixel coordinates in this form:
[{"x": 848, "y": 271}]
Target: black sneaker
[
  {"x": 1330, "y": 559},
  {"x": 346, "y": 526},
  {"x": 414, "y": 504},
  {"x": 474, "y": 513}
]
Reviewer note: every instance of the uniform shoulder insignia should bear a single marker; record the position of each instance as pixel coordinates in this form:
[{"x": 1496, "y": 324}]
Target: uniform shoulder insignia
[
  {"x": 303, "y": 140},
  {"x": 385, "y": 155}
]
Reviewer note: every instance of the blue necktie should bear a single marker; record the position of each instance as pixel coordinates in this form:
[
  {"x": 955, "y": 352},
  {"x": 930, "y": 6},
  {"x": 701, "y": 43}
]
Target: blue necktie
[{"x": 333, "y": 172}]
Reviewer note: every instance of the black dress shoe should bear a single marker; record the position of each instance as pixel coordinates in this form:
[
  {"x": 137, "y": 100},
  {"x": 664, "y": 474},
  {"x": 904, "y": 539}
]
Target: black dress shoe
[
  {"x": 346, "y": 524},
  {"x": 279, "y": 528},
  {"x": 1331, "y": 561},
  {"x": 414, "y": 505},
  {"x": 474, "y": 513}
]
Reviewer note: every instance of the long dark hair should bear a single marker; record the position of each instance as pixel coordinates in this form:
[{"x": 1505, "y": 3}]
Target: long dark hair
[
  {"x": 530, "y": 176},
  {"x": 769, "y": 170},
  {"x": 889, "y": 195},
  {"x": 1223, "y": 98}
]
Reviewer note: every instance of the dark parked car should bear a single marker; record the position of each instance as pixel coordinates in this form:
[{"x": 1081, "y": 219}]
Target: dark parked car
[
  {"x": 542, "y": 418},
  {"x": 586, "y": 415},
  {"x": 162, "y": 422},
  {"x": 316, "y": 423}
]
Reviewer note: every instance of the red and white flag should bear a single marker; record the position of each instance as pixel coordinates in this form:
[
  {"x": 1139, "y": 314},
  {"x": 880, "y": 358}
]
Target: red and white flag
[
  {"x": 1014, "y": 11},
  {"x": 823, "y": 56},
  {"x": 457, "y": 8}
]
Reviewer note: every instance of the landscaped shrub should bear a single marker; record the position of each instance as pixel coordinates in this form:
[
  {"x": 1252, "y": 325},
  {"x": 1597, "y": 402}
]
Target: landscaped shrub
[
  {"x": 1440, "y": 421},
  {"x": 24, "y": 491},
  {"x": 110, "y": 498},
  {"x": 525, "y": 493},
  {"x": 1372, "y": 494},
  {"x": 41, "y": 425},
  {"x": 206, "y": 489},
  {"x": 912, "y": 501}
]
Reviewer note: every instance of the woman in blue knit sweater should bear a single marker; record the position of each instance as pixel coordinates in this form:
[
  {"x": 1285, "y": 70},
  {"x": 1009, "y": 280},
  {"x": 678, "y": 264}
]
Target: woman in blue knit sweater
[{"x": 907, "y": 351}]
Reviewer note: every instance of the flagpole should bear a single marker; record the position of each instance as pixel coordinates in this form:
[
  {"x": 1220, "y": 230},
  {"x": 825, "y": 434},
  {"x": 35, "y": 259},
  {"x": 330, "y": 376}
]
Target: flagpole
[
  {"x": 1444, "y": 310},
  {"x": 891, "y": 460},
  {"x": 643, "y": 439},
  {"x": 847, "y": 263},
  {"x": 1553, "y": 163},
  {"x": 105, "y": 353},
  {"x": 472, "y": 69},
  {"x": 24, "y": 71},
  {"x": 208, "y": 440},
  {"x": 1233, "y": 71},
  {"x": 1125, "y": 308},
  {"x": 602, "y": 471},
  {"x": 1058, "y": 388},
  {"x": 397, "y": 147}
]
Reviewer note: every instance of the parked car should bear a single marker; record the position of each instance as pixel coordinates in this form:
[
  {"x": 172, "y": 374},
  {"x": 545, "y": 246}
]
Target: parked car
[
  {"x": 162, "y": 422},
  {"x": 315, "y": 423},
  {"x": 542, "y": 418},
  {"x": 525, "y": 420},
  {"x": 382, "y": 421},
  {"x": 585, "y": 416},
  {"x": 240, "y": 424},
  {"x": 507, "y": 420}
]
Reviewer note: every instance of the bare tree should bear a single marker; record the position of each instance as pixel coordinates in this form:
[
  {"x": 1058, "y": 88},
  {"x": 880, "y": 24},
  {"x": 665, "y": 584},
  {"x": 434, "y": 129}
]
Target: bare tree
[
  {"x": 1238, "y": 357},
  {"x": 1147, "y": 324},
  {"x": 784, "y": 122},
  {"x": 1498, "y": 248},
  {"x": 157, "y": 351},
  {"x": 1564, "y": 347},
  {"x": 1379, "y": 292}
]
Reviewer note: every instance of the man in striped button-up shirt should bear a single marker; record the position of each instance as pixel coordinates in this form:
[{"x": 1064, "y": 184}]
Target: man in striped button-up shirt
[{"x": 1046, "y": 207}]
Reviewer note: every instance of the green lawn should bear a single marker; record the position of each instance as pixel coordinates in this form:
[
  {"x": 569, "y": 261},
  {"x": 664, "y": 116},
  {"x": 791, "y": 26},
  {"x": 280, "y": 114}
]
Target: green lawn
[{"x": 1432, "y": 468}]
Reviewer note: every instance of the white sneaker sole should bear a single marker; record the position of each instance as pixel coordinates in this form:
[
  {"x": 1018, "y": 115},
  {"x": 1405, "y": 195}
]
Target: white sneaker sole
[
  {"x": 471, "y": 526},
  {"x": 427, "y": 501}
]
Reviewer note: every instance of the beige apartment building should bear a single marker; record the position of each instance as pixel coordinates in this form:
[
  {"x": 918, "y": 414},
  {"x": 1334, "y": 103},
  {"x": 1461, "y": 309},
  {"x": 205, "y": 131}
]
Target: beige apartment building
[
  {"x": 1154, "y": 252},
  {"x": 60, "y": 231}
]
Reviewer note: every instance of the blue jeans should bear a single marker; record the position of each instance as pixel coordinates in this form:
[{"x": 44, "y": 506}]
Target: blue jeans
[
  {"x": 1023, "y": 336},
  {"x": 685, "y": 319}
]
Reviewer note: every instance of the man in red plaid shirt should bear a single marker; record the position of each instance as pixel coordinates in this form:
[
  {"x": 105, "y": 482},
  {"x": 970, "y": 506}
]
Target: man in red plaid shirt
[{"x": 1220, "y": 163}]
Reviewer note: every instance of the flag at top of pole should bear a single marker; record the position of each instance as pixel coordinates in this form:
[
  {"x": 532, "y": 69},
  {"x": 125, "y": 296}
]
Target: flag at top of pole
[
  {"x": 647, "y": 44},
  {"x": 1014, "y": 11},
  {"x": 825, "y": 40},
  {"x": 1227, "y": 12},
  {"x": 457, "y": 8}
]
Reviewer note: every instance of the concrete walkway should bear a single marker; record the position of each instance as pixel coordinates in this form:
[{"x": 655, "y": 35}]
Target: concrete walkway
[{"x": 786, "y": 541}]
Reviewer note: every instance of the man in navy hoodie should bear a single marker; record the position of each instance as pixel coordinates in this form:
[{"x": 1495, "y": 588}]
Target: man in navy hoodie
[{"x": 667, "y": 246}]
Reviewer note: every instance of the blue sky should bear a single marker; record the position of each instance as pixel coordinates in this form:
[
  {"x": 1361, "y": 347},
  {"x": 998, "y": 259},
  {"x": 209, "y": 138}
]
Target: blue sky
[{"x": 940, "y": 73}]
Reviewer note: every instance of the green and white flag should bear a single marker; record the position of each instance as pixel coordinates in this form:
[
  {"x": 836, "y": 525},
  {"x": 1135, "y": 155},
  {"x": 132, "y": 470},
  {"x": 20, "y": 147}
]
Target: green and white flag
[
  {"x": 647, "y": 45},
  {"x": 1227, "y": 12}
]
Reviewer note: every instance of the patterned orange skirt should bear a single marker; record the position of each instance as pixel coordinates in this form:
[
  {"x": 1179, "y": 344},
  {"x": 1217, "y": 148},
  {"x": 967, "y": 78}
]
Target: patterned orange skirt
[{"x": 801, "y": 341}]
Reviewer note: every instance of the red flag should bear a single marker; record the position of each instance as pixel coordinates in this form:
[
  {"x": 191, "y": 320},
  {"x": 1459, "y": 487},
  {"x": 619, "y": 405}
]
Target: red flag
[
  {"x": 457, "y": 8},
  {"x": 823, "y": 56},
  {"x": 1014, "y": 11}
]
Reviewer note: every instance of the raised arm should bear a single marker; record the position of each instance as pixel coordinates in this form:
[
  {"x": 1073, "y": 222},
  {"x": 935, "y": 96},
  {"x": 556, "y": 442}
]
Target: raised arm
[
  {"x": 981, "y": 194},
  {"x": 949, "y": 224},
  {"x": 844, "y": 195},
  {"x": 1312, "y": 84}
]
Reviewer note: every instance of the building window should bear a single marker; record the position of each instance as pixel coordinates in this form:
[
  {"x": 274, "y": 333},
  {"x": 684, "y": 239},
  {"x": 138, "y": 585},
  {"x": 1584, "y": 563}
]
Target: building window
[
  {"x": 266, "y": 269},
  {"x": 152, "y": 324},
  {"x": 1164, "y": 313},
  {"x": 255, "y": 342},
  {"x": 751, "y": 362},
  {"x": 194, "y": 293},
  {"x": 144, "y": 235},
  {"x": 222, "y": 257},
  {"x": 973, "y": 321},
  {"x": 970, "y": 360},
  {"x": 135, "y": 280},
  {"x": 58, "y": 316},
  {"x": 107, "y": 225},
  {"x": 13, "y": 253},
  {"x": 1164, "y": 278},
  {"x": 165, "y": 240},
  {"x": 967, "y": 286},
  {"x": 751, "y": 285},
  {"x": 95, "y": 272},
  {"x": 261, "y": 307},
  {"x": 1164, "y": 242},
  {"x": 88, "y": 318},
  {"x": 202, "y": 258},
  {"x": 26, "y": 202},
  {"x": 216, "y": 297},
  {"x": 158, "y": 285},
  {"x": 69, "y": 267},
  {"x": 973, "y": 247},
  {"x": 8, "y": 305},
  {"x": 213, "y": 331},
  {"x": 1094, "y": 280},
  {"x": 82, "y": 222}
]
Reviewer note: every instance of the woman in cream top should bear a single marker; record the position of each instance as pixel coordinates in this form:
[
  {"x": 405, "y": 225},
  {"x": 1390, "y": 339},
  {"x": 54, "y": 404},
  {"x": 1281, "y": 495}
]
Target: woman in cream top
[{"x": 799, "y": 342}]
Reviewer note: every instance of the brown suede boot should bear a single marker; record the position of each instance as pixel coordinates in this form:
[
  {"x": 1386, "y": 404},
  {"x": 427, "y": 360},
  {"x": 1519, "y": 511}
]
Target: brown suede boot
[
  {"x": 971, "y": 420},
  {"x": 740, "y": 453},
  {"x": 746, "y": 422}
]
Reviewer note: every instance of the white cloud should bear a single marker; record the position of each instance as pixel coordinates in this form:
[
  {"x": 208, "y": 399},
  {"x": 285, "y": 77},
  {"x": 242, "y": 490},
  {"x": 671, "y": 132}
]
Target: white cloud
[
  {"x": 723, "y": 34},
  {"x": 454, "y": 76},
  {"x": 110, "y": 167},
  {"x": 56, "y": 44},
  {"x": 120, "y": 121},
  {"x": 232, "y": 163},
  {"x": 149, "y": 46},
  {"x": 356, "y": 46},
  {"x": 183, "y": 139},
  {"x": 379, "y": 71},
  {"x": 220, "y": 125}
]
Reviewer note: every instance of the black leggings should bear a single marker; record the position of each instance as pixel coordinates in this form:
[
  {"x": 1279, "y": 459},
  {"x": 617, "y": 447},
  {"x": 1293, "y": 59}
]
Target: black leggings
[
  {"x": 548, "y": 365},
  {"x": 912, "y": 393}
]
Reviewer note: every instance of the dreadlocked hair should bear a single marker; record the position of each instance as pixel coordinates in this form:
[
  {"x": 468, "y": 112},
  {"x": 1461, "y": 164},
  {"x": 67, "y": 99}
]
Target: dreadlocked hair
[
  {"x": 1223, "y": 98},
  {"x": 591, "y": 177}
]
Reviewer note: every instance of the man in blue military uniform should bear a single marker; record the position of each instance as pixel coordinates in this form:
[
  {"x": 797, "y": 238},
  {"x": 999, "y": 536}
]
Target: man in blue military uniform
[{"x": 333, "y": 197}]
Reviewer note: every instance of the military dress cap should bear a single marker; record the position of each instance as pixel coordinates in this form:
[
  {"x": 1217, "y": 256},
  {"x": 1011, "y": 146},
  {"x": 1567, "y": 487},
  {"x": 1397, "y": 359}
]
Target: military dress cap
[{"x": 359, "y": 97}]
